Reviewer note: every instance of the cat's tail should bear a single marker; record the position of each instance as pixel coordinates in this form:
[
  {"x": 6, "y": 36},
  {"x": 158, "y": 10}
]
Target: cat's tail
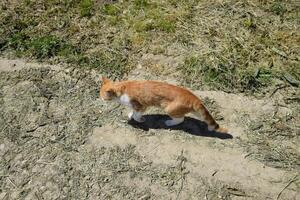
[{"x": 201, "y": 112}]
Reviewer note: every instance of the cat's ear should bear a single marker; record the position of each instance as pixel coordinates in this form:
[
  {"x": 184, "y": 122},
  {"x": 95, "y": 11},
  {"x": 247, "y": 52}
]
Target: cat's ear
[{"x": 105, "y": 80}]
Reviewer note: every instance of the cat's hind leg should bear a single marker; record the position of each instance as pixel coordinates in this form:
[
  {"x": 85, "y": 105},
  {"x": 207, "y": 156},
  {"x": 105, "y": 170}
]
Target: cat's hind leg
[
  {"x": 176, "y": 112},
  {"x": 174, "y": 121}
]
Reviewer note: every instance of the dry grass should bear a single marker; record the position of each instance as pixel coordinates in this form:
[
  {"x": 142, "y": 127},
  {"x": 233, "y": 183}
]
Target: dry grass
[
  {"x": 274, "y": 139},
  {"x": 227, "y": 45}
]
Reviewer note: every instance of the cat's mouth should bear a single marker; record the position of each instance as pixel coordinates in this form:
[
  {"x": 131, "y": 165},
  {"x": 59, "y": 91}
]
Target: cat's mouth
[{"x": 105, "y": 100}]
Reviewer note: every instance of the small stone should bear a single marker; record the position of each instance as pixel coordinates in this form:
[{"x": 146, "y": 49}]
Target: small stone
[
  {"x": 2, "y": 146},
  {"x": 145, "y": 197}
]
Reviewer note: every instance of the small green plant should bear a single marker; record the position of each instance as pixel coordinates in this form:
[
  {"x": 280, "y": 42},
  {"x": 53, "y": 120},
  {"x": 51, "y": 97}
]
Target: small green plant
[
  {"x": 198, "y": 71},
  {"x": 250, "y": 23},
  {"x": 143, "y": 25},
  {"x": 141, "y": 3},
  {"x": 86, "y": 7},
  {"x": 110, "y": 9},
  {"x": 17, "y": 41},
  {"x": 155, "y": 20},
  {"x": 278, "y": 8},
  {"x": 45, "y": 47},
  {"x": 166, "y": 25}
]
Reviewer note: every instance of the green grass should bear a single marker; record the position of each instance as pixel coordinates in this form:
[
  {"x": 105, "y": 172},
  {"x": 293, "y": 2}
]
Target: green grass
[
  {"x": 223, "y": 44},
  {"x": 110, "y": 9},
  {"x": 48, "y": 46},
  {"x": 278, "y": 7},
  {"x": 223, "y": 75},
  {"x": 86, "y": 7}
]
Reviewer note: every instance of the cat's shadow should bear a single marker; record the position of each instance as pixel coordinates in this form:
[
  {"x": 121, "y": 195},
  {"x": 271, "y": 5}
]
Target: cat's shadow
[{"x": 190, "y": 125}]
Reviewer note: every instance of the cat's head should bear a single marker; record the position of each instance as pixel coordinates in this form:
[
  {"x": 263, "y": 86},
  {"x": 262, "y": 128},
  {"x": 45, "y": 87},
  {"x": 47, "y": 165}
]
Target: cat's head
[{"x": 107, "y": 91}]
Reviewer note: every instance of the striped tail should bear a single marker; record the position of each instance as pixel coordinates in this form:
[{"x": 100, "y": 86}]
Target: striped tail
[{"x": 201, "y": 112}]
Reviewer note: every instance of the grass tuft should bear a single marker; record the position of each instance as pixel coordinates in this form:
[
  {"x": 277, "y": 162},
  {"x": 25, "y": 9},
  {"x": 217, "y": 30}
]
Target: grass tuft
[
  {"x": 46, "y": 46},
  {"x": 110, "y": 9},
  {"x": 278, "y": 8},
  {"x": 40, "y": 47},
  {"x": 86, "y": 8},
  {"x": 221, "y": 75},
  {"x": 141, "y": 3}
]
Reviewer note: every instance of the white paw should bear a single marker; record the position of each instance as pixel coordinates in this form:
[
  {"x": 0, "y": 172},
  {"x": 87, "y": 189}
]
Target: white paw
[
  {"x": 140, "y": 119},
  {"x": 211, "y": 128},
  {"x": 130, "y": 115},
  {"x": 174, "y": 121},
  {"x": 169, "y": 123}
]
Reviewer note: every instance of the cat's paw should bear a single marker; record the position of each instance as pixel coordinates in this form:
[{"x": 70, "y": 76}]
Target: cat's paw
[
  {"x": 211, "y": 128},
  {"x": 130, "y": 115},
  {"x": 174, "y": 121},
  {"x": 140, "y": 120},
  {"x": 169, "y": 123}
]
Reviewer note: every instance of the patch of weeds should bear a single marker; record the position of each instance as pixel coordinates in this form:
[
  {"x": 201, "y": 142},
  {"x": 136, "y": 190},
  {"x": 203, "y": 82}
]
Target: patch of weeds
[
  {"x": 18, "y": 42},
  {"x": 40, "y": 47},
  {"x": 155, "y": 23},
  {"x": 48, "y": 46},
  {"x": 113, "y": 63},
  {"x": 141, "y": 3},
  {"x": 254, "y": 79},
  {"x": 113, "y": 20},
  {"x": 114, "y": 66},
  {"x": 184, "y": 39},
  {"x": 144, "y": 25},
  {"x": 221, "y": 74},
  {"x": 162, "y": 21},
  {"x": 273, "y": 140},
  {"x": 292, "y": 75},
  {"x": 21, "y": 24},
  {"x": 86, "y": 8},
  {"x": 110, "y": 9},
  {"x": 278, "y": 8},
  {"x": 138, "y": 39},
  {"x": 198, "y": 72},
  {"x": 152, "y": 17},
  {"x": 250, "y": 23},
  {"x": 166, "y": 25}
]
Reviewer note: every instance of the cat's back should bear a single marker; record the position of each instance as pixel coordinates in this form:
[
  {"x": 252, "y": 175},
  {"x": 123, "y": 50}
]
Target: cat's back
[{"x": 150, "y": 87}]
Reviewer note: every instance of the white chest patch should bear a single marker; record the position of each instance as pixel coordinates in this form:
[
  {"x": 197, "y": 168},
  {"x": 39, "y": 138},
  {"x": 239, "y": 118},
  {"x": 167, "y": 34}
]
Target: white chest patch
[{"x": 125, "y": 100}]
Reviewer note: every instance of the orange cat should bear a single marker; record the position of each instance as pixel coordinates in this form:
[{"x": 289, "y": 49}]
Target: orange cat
[{"x": 176, "y": 101}]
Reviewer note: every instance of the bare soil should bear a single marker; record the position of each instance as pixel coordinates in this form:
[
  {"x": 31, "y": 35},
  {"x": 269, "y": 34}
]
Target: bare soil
[{"x": 59, "y": 141}]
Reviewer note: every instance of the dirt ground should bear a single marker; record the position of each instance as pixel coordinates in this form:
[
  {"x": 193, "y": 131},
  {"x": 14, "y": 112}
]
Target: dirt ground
[{"x": 59, "y": 141}]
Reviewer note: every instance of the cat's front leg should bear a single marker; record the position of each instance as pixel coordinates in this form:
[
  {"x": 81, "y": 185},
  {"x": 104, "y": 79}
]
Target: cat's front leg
[
  {"x": 137, "y": 116},
  {"x": 130, "y": 115}
]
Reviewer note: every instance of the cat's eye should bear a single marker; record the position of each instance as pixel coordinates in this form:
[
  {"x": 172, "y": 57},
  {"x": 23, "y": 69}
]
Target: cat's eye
[{"x": 110, "y": 93}]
